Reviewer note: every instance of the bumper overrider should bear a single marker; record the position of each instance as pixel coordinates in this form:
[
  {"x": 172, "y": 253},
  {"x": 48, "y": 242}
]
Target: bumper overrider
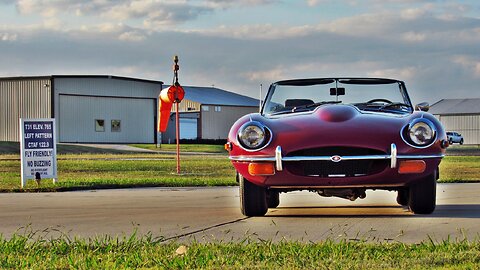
[{"x": 268, "y": 165}]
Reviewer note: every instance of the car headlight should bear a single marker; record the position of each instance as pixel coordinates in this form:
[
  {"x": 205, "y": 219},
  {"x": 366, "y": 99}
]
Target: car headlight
[
  {"x": 254, "y": 136},
  {"x": 420, "y": 133}
]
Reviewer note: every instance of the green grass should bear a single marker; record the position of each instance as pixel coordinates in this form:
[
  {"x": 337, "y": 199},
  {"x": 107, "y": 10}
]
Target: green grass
[
  {"x": 25, "y": 252},
  {"x": 460, "y": 169},
  {"x": 10, "y": 148},
  {"x": 86, "y": 171},
  {"x": 205, "y": 148},
  {"x": 463, "y": 150},
  {"x": 82, "y": 167},
  {"x": 106, "y": 171}
]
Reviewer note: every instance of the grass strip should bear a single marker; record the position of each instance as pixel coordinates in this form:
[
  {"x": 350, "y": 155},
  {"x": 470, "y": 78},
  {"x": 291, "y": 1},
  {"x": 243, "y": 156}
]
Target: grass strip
[
  {"x": 26, "y": 252},
  {"x": 116, "y": 171},
  {"x": 205, "y": 148},
  {"x": 96, "y": 171}
]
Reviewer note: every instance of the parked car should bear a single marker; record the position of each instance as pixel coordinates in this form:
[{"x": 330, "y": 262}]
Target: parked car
[
  {"x": 337, "y": 137},
  {"x": 454, "y": 137}
]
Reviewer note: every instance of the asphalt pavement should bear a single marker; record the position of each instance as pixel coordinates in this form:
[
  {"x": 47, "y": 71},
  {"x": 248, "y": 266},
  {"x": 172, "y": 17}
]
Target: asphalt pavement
[{"x": 212, "y": 214}]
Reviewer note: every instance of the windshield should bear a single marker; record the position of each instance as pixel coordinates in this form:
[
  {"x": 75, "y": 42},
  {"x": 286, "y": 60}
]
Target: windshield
[{"x": 381, "y": 95}]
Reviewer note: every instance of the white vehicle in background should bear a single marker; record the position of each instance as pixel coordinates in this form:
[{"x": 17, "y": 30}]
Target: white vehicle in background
[{"x": 454, "y": 137}]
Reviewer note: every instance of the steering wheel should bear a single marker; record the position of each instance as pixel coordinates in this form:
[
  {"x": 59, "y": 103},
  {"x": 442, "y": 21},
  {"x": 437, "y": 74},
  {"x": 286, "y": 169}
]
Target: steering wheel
[{"x": 379, "y": 100}]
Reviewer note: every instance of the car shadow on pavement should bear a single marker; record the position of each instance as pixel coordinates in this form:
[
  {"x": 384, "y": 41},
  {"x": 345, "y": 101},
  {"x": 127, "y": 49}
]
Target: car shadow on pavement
[
  {"x": 375, "y": 211},
  {"x": 457, "y": 211}
]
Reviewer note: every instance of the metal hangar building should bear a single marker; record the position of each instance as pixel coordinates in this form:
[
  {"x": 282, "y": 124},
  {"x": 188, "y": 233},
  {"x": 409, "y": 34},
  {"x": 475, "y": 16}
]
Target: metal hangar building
[
  {"x": 207, "y": 113},
  {"x": 460, "y": 115},
  {"x": 113, "y": 109}
]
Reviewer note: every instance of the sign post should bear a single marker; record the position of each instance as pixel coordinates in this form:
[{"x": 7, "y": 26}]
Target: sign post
[{"x": 38, "y": 150}]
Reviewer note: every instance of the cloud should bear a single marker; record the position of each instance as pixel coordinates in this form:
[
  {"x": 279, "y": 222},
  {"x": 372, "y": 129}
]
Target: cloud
[
  {"x": 153, "y": 14},
  {"x": 466, "y": 62},
  {"x": 8, "y": 37},
  {"x": 412, "y": 36},
  {"x": 131, "y": 38}
]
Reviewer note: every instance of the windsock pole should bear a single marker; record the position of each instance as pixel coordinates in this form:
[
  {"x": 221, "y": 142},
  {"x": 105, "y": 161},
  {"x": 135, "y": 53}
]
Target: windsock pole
[
  {"x": 168, "y": 96},
  {"x": 177, "y": 115},
  {"x": 177, "y": 124}
]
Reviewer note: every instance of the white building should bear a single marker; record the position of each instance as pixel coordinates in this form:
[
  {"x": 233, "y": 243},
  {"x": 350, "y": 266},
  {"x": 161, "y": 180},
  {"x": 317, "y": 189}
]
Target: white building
[{"x": 460, "y": 115}]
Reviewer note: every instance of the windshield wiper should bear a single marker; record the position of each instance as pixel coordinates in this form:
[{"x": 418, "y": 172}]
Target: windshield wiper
[
  {"x": 378, "y": 107},
  {"x": 394, "y": 104},
  {"x": 316, "y": 104}
]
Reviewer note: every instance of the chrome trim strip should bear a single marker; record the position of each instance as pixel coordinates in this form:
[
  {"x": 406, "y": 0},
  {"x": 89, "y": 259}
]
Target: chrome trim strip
[
  {"x": 327, "y": 158},
  {"x": 314, "y": 187},
  {"x": 393, "y": 156},
  {"x": 252, "y": 159},
  {"x": 420, "y": 156},
  {"x": 278, "y": 158}
]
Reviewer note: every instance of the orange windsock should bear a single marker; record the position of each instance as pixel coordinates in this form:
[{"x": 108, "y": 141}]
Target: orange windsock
[{"x": 168, "y": 96}]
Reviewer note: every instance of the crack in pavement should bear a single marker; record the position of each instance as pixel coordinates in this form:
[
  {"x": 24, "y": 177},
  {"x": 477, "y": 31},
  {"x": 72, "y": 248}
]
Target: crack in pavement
[{"x": 176, "y": 237}]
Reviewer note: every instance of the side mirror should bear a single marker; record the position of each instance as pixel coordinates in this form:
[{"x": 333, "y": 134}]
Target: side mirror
[{"x": 424, "y": 107}]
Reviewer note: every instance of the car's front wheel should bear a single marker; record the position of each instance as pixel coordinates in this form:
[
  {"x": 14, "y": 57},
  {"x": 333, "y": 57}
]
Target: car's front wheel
[
  {"x": 253, "y": 198},
  {"x": 273, "y": 199},
  {"x": 461, "y": 141},
  {"x": 422, "y": 195},
  {"x": 402, "y": 196}
]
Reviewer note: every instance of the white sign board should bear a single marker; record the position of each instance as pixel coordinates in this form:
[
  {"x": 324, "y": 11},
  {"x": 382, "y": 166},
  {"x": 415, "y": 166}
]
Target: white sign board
[{"x": 38, "y": 149}]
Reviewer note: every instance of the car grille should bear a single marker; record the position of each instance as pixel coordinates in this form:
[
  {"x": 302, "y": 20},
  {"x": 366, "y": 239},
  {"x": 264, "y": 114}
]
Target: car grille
[{"x": 344, "y": 168}]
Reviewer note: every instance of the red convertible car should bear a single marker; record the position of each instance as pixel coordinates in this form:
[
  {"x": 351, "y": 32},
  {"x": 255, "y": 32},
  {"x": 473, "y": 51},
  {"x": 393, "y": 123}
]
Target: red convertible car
[{"x": 337, "y": 137}]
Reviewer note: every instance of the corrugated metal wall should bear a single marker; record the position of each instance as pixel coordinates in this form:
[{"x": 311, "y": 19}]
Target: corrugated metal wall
[
  {"x": 216, "y": 124},
  {"x": 467, "y": 125},
  {"x": 187, "y": 106},
  {"x": 22, "y": 98},
  {"x": 81, "y": 100},
  {"x": 78, "y": 115}
]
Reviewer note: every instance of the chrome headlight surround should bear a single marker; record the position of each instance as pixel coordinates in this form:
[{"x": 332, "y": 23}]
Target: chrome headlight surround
[
  {"x": 420, "y": 133},
  {"x": 254, "y": 136}
]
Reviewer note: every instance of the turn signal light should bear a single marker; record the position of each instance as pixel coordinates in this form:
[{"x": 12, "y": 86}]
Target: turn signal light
[
  {"x": 261, "y": 169},
  {"x": 412, "y": 166},
  {"x": 228, "y": 146}
]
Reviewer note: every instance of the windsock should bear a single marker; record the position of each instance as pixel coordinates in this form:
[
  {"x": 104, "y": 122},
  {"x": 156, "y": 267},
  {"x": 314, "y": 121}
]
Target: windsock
[{"x": 168, "y": 96}]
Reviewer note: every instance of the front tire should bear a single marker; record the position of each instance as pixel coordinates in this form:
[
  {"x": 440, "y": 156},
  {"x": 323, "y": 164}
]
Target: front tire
[
  {"x": 461, "y": 142},
  {"x": 402, "y": 197},
  {"x": 422, "y": 195},
  {"x": 253, "y": 199},
  {"x": 273, "y": 199}
]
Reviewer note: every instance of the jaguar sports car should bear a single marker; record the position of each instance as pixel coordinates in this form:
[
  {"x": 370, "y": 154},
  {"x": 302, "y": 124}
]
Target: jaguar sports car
[{"x": 337, "y": 137}]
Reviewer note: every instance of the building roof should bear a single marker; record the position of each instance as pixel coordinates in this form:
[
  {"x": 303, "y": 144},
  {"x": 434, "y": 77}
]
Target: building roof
[
  {"x": 456, "y": 106},
  {"x": 215, "y": 96},
  {"x": 80, "y": 76}
]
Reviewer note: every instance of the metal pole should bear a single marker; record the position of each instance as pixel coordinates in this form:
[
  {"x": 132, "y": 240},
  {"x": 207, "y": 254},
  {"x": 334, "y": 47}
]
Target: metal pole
[
  {"x": 260, "y": 103},
  {"x": 177, "y": 124}
]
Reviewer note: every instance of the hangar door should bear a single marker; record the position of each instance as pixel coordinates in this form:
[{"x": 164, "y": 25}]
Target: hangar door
[
  {"x": 188, "y": 128},
  {"x": 92, "y": 119}
]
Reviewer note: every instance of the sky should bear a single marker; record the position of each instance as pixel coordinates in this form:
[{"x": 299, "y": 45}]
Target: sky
[{"x": 236, "y": 45}]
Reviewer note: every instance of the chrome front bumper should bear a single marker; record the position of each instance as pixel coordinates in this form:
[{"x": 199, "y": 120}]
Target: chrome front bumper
[{"x": 279, "y": 159}]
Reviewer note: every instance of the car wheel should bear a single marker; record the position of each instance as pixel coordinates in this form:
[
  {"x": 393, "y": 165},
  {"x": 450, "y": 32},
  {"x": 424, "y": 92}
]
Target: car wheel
[
  {"x": 422, "y": 195},
  {"x": 253, "y": 199},
  {"x": 273, "y": 199},
  {"x": 450, "y": 141},
  {"x": 402, "y": 197},
  {"x": 461, "y": 141}
]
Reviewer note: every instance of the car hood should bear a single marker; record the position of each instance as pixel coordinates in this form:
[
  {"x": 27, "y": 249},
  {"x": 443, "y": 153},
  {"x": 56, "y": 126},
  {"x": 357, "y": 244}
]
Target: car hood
[{"x": 335, "y": 125}]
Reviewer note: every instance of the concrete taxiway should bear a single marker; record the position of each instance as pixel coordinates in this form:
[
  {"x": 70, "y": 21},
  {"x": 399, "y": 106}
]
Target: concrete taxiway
[{"x": 212, "y": 214}]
